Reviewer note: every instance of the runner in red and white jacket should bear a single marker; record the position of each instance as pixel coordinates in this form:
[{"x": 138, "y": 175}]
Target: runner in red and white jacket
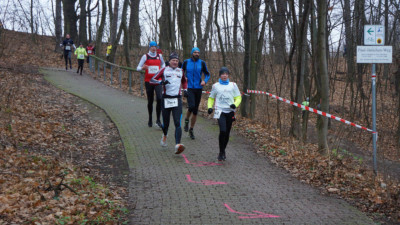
[
  {"x": 151, "y": 63},
  {"x": 173, "y": 81},
  {"x": 91, "y": 50}
]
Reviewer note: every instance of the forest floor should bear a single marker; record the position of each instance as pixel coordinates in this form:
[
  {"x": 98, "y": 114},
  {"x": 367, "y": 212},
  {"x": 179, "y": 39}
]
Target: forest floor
[{"x": 30, "y": 143}]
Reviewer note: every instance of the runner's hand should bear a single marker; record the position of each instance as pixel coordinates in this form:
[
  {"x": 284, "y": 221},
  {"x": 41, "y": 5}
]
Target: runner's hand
[
  {"x": 233, "y": 106},
  {"x": 165, "y": 82},
  {"x": 185, "y": 93},
  {"x": 145, "y": 67},
  {"x": 210, "y": 110},
  {"x": 203, "y": 83}
]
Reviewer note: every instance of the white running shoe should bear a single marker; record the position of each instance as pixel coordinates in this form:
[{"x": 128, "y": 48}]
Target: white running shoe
[
  {"x": 163, "y": 141},
  {"x": 179, "y": 148}
]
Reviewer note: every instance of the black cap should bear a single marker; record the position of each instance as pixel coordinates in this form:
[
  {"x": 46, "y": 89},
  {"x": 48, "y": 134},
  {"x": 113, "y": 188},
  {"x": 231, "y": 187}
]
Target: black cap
[
  {"x": 173, "y": 55},
  {"x": 223, "y": 70}
]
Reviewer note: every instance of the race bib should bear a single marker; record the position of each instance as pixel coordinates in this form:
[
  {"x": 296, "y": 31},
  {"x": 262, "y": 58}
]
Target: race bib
[
  {"x": 67, "y": 47},
  {"x": 153, "y": 69},
  {"x": 81, "y": 56},
  {"x": 89, "y": 51},
  {"x": 170, "y": 102},
  {"x": 217, "y": 114}
]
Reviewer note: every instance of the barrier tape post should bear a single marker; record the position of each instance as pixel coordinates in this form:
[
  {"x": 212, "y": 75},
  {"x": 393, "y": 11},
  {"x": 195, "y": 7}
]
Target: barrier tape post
[
  {"x": 314, "y": 111},
  {"x": 374, "y": 136}
]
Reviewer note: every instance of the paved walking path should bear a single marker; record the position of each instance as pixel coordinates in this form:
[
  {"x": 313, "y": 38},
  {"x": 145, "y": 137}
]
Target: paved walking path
[{"x": 190, "y": 188}]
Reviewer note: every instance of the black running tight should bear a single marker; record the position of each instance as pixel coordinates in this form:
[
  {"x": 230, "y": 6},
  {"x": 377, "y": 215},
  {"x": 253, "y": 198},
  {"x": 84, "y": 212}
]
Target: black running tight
[
  {"x": 176, "y": 116},
  {"x": 150, "y": 89},
  {"x": 225, "y": 124}
]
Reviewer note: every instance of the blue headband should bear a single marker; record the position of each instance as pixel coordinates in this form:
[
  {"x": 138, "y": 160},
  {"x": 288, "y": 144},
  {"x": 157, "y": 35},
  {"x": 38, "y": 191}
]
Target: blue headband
[{"x": 194, "y": 49}]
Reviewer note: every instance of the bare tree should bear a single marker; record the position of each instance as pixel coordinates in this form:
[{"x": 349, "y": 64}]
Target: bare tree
[
  {"x": 278, "y": 11},
  {"x": 167, "y": 28},
  {"x": 82, "y": 23},
  {"x": 100, "y": 30},
  {"x": 70, "y": 19},
  {"x": 323, "y": 88},
  {"x": 114, "y": 22},
  {"x": 58, "y": 26},
  {"x": 185, "y": 24},
  {"x": 235, "y": 25},
  {"x": 253, "y": 45},
  {"x": 134, "y": 27},
  {"x": 203, "y": 38},
  {"x": 221, "y": 44}
]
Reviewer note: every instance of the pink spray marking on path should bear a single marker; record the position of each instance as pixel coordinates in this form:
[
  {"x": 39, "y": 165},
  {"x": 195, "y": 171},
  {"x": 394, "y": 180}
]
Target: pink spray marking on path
[
  {"x": 204, "y": 182},
  {"x": 201, "y": 163},
  {"x": 251, "y": 215}
]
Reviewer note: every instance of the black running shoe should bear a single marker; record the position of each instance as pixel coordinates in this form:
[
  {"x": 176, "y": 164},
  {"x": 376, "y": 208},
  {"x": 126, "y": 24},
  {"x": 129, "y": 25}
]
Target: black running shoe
[
  {"x": 186, "y": 127},
  {"x": 220, "y": 158},
  {"x": 150, "y": 123},
  {"x": 191, "y": 135},
  {"x": 66, "y": 68},
  {"x": 223, "y": 156}
]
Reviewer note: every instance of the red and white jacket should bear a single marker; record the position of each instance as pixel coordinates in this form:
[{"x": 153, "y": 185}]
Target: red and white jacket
[{"x": 176, "y": 81}]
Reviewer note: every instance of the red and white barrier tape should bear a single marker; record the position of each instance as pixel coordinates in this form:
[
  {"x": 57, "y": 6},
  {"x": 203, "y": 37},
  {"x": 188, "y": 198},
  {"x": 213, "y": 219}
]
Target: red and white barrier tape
[{"x": 312, "y": 110}]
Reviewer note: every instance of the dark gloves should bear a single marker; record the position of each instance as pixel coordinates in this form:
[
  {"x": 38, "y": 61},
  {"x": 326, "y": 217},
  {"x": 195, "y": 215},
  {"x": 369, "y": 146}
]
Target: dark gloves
[
  {"x": 185, "y": 93},
  {"x": 210, "y": 110},
  {"x": 165, "y": 82},
  {"x": 233, "y": 106}
]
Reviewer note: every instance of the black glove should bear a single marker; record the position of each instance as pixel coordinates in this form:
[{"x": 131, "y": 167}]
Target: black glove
[
  {"x": 185, "y": 93},
  {"x": 165, "y": 82},
  {"x": 233, "y": 106},
  {"x": 210, "y": 110}
]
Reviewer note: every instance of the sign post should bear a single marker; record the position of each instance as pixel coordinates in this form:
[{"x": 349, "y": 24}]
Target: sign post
[{"x": 374, "y": 35}]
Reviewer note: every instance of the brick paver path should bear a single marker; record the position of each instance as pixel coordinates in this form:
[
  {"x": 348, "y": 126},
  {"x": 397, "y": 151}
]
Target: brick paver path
[{"x": 167, "y": 189}]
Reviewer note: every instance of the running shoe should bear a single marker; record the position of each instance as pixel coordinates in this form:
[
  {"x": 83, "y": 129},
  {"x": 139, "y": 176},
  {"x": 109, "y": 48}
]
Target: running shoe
[
  {"x": 150, "y": 123},
  {"x": 223, "y": 156},
  {"x": 159, "y": 124},
  {"x": 191, "y": 135},
  {"x": 186, "y": 127},
  {"x": 179, "y": 148},
  {"x": 220, "y": 157},
  {"x": 163, "y": 141}
]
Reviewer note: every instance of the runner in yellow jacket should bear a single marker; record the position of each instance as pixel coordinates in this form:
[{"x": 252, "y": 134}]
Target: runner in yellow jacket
[{"x": 80, "y": 54}]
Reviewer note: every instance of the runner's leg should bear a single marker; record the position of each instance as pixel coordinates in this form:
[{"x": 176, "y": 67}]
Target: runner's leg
[
  {"x": 177, "y": 116},
  {"x": 166, "y": 117},
  {"x": 222, "y": 122},
  {"x": 229, "y": 122},
  {"x": 150, "y": 100},
  {"x": 158, "y": 90},
  {"x": 69, "y": 59}
]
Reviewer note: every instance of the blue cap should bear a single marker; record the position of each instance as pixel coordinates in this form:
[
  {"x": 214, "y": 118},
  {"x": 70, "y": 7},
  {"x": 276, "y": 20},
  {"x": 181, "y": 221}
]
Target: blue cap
[
  {"x": 194, "y": 49},
  {"x": 152, "y": 44}
]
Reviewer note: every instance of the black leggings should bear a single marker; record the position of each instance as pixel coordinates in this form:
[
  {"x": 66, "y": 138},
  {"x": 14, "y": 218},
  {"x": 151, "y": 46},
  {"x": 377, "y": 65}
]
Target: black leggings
[
  {"x": 67, "y": 57},
  {"x": 177, "y": 117},
  {"x": 80, "y": 64},
  {"x": 150, "y": 89},
  {"x": 225, "y": 124},
  {"x": 193, "y": 100}
]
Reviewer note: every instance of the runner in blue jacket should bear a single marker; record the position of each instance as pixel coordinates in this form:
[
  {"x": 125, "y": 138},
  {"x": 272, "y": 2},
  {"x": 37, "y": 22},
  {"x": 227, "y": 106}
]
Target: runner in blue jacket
[{"x": 194, "y": 68}]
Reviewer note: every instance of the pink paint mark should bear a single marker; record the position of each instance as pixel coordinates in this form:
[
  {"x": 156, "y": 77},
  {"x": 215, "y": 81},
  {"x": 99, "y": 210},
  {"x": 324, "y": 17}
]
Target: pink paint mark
[
  {"x": 201, "y": 163},
  {"x": 204, "y": 182},
  {"x": 251, "y": 215}
]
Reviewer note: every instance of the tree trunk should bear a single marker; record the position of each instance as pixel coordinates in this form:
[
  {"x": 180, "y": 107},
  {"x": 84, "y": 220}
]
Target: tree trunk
[
  {"x": 70, "y": 19},
  {"x": 100, "y": 30},
  {"x": 185, "y": 23},
  {"x": 253, "y": 44},
  {"x": 82, "y": 23},
  {"x": 114, "y": 22},
  {"x": 349, "y": 47},
  {"x": 58, "y": 26},
  {"x": 235, "y": 25},
  {"x": 203, "y": 38},
  {"x": 165, "y": 36},
  {"x": 221, "y": 44},
  {"x": 134, "y": 27},
  {"x": 278, "y": 11},
  {"x": 322, "y": 123},
  {"x": 301, "y": 64},
  {"x": 121, "y": 28},
  {"x": 89, "y": 18}
]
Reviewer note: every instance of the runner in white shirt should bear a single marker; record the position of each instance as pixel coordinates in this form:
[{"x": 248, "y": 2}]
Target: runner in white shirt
[
  {"x": 173, "y": 80},
  {"x": 227, "y": 98}
]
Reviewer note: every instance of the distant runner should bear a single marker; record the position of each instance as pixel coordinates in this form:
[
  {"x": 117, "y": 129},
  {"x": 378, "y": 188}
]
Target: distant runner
[
  {"x": 227, "y": 98},
  {"x": 173, "y": 80},
  {"x": 151, "y": 63},
  {"x": 194, "y": 68},
  {"x": 68, "y": 43},
  {"x": 108, "y": 51},
  {"x": 80, "y": 54},
  {"x": 91, "y": 50}
]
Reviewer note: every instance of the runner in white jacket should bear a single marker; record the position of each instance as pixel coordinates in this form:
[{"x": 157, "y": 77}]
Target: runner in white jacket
[
  {"x": 173, "y": 80},
  {"x": 227, "y": 98}
]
